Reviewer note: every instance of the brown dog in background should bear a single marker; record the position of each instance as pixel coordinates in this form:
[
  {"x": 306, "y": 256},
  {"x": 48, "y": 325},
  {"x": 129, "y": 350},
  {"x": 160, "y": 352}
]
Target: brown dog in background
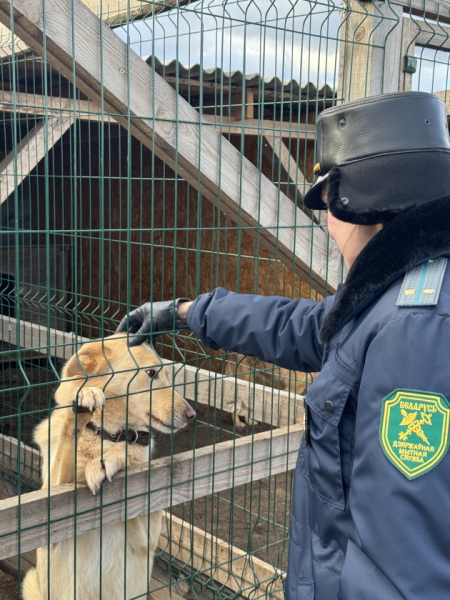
[{"x": 127, "y": 387}]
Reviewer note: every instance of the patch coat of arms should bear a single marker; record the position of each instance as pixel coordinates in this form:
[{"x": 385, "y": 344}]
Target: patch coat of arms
[{"x": 414, "y": 430}]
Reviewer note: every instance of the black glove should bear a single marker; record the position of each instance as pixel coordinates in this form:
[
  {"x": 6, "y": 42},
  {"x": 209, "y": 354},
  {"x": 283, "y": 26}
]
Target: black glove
[{"x": 152, "y": 317}]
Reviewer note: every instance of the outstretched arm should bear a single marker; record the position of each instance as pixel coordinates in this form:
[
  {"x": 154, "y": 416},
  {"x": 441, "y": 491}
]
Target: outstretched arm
[{"x": 275, "y": 329}]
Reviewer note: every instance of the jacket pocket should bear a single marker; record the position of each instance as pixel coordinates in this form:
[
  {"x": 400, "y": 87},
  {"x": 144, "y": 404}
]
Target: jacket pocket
[
  {"x": 326, "y": 459},
  {"x": 305, "y": 589}
]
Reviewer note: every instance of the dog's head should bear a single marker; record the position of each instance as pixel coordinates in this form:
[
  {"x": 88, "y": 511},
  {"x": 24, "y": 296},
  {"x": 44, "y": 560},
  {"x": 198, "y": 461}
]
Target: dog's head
[{"x": 135, "y": 383}]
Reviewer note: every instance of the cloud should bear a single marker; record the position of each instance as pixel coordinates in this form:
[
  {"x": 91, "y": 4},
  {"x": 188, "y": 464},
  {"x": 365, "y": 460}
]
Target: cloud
[{"x": 283, "y": 39}]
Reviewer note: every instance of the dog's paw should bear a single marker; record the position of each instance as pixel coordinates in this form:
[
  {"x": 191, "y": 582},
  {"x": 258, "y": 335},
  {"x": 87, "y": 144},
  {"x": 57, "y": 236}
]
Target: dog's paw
[
  {"x": 97, "y": 470},
  {"x": 88, "y": 399},
  {"x": 95, "y": 474}
]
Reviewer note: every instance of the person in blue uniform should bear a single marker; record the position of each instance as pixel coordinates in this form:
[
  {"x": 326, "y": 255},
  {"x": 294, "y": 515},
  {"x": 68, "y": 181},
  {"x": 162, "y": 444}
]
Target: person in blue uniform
[{"x": 370, "y": 517}]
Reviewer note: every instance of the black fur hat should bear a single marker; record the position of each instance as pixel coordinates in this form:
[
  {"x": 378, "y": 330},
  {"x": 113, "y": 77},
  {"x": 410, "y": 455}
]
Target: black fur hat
[{"x": 381, "y": 155}]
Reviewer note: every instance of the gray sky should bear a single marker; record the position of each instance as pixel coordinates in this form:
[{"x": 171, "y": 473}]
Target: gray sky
[
  {"x": 282, "y": 38},
  {"x": 285, "y": 38}
]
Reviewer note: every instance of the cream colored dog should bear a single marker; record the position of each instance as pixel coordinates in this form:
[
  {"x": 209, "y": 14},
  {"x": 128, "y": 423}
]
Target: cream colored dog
[{"x": 138, "y": 394}]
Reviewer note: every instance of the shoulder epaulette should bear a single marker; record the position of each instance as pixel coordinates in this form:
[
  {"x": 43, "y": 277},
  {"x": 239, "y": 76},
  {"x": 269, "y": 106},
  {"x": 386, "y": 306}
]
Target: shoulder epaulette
[{"x": 422, "y": 284}]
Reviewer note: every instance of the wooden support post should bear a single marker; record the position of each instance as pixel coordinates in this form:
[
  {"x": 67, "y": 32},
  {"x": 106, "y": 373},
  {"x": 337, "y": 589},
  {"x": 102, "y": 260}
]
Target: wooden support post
[
  {"x": 368, "y": 64},
  {"x": 29, "y": 152},
  {"x": 236, "y": 105},
  {"x": 169, "y": 481},
  {"x": 219, "y": 560},
  {"x": 409, "y": 33},
  {"x": 169, "y": 126},
  {"x": 249, "y": 104}
]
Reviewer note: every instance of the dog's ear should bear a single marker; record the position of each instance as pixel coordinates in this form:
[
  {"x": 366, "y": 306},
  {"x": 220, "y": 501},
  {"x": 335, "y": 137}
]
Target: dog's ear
[{"x": 91, "y": 359}]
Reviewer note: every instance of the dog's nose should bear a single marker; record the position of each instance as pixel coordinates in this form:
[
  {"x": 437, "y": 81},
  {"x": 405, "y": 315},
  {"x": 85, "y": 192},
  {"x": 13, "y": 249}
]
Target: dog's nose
[{"x": 190, "y": 413}]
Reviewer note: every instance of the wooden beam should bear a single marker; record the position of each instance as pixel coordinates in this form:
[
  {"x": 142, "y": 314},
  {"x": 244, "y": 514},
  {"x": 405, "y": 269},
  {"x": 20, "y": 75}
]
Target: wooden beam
[
  {"x": 236, "y": 102},
  {"x": 431, "y": 35},
  {"x": 276, "y": 148},
  {"x": 275, "y": 407},
  {"x": 17, "y": 457},
  {"x": 39, "y": 338},
  {"x": 221, "y": 91},
  {"x": 213, "y": 557},
  {"x": 34, "y": 104},
  {"x": 22, "y": 103},
  {"x": 118, "y": 12},
  {"x": 368, "y": 62},
  {"x": 262, "y": 127},
  {"x": 169, "y": 126},
  {"x": 113, "y": 13},
  {"x": 19, "y": 163},
  {"x": 427, "y": 9},
  {"x": 47, "y": 516},
  {"x": 261, "y": 403},
  {"x": 228, "y": 565},
  {"x": 11, "y": 565}
]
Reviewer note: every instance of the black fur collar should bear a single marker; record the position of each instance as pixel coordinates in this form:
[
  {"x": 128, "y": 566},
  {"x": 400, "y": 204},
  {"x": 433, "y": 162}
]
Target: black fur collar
[{"x": 410, "y": 238}]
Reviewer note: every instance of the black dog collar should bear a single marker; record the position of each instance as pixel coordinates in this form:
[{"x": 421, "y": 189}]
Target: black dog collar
[{"x": 123, "y": 435}]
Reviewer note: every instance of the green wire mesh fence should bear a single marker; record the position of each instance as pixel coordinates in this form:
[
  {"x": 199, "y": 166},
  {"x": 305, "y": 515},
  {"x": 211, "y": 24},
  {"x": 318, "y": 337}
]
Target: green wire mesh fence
[{"x": 160, "y": 155}]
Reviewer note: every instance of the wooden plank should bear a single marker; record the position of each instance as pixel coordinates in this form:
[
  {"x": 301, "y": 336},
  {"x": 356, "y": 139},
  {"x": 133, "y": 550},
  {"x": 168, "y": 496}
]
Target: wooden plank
[
  {"x": 114, "y": 13},
  {"x": 19, "y": 163},
  {"x": 368, "y": 61},
  {"x": 431, "y": 35},
  {"x": 39, "y": 338},
  {"x": 215, "y": 558},
  {"x": 34, "y": 104},
  {"x": 118, "y": 12},
  {"x": 428, "y": 9},
  {"x": 261, "y": 403},
  {"x": 84, "y": 110},
  {"x": 228, "y": 125},
  {"x": 275, "y": 407},
  {"x": 11, "y": 565},
  {"x": 221, "y": 90},
  {"x": 289, "y": 168},
  {"x": 211, "y": 554},
  {"x": 47, "y": 516},
  {"x": 172, "y": 128},
  {"x": 15, "y": 455}
]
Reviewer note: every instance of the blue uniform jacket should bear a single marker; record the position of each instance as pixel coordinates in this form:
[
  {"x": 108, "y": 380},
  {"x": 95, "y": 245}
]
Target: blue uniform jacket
[{"x": 370, "y": 508}]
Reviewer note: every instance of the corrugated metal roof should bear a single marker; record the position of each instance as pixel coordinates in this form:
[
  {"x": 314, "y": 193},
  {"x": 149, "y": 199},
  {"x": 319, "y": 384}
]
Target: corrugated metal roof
[{"x": 237, "y": 78}]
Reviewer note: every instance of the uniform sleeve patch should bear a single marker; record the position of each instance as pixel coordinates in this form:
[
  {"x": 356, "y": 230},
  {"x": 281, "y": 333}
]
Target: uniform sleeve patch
[
  {"x": 422, "y": 284},
  {"x": 414, "y": 430}
]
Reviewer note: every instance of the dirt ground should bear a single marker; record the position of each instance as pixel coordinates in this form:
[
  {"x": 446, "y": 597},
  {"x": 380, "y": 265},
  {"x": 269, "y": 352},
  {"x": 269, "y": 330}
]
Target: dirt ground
[
  {"x": 254, "y": 517},
  {"x": 8, "y": 587}
]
